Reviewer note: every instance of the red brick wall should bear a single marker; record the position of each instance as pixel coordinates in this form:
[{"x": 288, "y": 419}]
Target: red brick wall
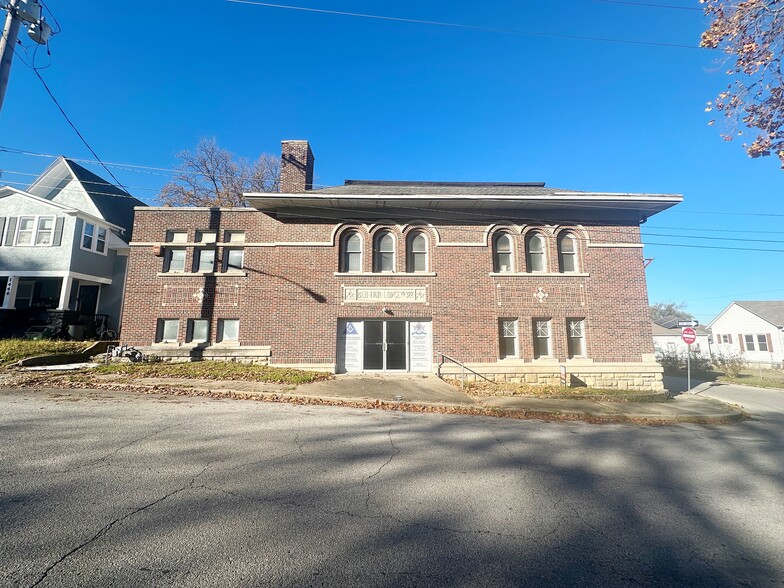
[{"x": 291, "y": 297}]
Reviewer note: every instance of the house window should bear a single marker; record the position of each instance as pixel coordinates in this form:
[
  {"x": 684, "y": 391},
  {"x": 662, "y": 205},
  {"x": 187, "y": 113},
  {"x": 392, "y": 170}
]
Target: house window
[
  {"x": 204, "y": 260},
  {"x": 234, "y": 236},
  {"x": 45, "y": 231},
  {"x": 417, "y": 252},
  {"x": 206, "y": 236},
  {"x": 535, "y": 253},
  {"x": 168, "y": 330},
  {"x": 351, "y": 253},
  {"x": 175, "y": 261},
  {"x": 176, "y": 236},
  {"x": 762, "y": 343},
  {"x": 228, "y": 330},
  {"x": 384, "y": 252},
  {"x": 749, "y": 342},
  {"x": 507, "y": 332},
  {"x": 198, "y": 330},
  {"x": 502, "y": 253},
  {"x": 725, "y": 339},
  {"x": 24, "y": 234},
  {"x": 541, "y": 338},
  {"x": 576, "y": 337},
  {"x": 100, "y": 240},
  {"x": 567, "y": 253},
  {"x": 233, "y": 259}
]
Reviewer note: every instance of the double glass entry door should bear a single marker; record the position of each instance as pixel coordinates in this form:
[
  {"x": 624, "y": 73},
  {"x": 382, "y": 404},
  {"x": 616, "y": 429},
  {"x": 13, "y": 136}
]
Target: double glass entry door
[{"x": 384, "y": 346}]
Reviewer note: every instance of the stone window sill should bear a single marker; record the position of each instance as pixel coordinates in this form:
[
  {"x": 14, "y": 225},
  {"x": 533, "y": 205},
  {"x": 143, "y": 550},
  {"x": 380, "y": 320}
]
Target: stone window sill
[{"x": 233, "y": 274}]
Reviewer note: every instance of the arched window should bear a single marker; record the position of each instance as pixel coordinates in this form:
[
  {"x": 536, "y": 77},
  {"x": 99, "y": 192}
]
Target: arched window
[
  {"x": 535, "y": 253},
  {"x": 351, "y": 252},
  {"x": 417, "y": 252},
  {"x": 502, "y": 253},
  {"x": 567, "y": 253},
  {"x": 384, "y": 252}
]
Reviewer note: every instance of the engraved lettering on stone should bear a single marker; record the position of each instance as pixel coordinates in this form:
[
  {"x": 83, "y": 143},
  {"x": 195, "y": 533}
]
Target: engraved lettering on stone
[{"x": 371, "y": 295}]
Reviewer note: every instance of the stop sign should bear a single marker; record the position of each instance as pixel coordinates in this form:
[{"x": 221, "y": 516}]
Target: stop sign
[{"x": 689, "y": 335}]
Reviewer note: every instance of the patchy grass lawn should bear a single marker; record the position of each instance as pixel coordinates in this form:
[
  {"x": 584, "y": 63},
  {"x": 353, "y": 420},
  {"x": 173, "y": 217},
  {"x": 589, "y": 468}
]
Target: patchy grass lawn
[
  {"x": 214, "y": 370},
  {"x": 539, "y": 391},
  {"x": 12, "y": 350},
  {"x": 764, "y": 378}
]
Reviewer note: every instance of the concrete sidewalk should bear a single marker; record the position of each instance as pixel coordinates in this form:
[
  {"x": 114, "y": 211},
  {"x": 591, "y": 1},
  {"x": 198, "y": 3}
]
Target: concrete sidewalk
[{"x": 430, "y": 393}]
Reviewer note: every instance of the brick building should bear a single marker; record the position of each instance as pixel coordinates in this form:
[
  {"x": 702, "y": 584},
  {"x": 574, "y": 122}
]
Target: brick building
[{"x": 512, "y": 279}]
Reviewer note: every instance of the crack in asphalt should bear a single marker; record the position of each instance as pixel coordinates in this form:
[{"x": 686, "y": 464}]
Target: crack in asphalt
[
  {"x": 365, "y": 481},
  {"x": 106, "y": 528}
]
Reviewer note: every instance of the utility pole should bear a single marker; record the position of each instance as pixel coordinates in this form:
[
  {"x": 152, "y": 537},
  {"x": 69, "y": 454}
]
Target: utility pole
[
  {"x": 20, "y": 11},
  {"x": 7, "y": 43}
]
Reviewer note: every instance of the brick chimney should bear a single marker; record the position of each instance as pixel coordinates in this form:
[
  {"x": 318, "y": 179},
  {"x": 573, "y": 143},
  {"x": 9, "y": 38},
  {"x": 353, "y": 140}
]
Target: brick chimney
[{"x": 296, "y": 167}]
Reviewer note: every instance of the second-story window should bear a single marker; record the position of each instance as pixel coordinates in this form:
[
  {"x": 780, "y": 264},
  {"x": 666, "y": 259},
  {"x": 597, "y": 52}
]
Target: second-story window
[
  {"x": 417, "y": 252},
  {"x": 24, "y": 234},
  {"x": 535, "y": 253},
  {"x": 384, "y": 252},
  {"x": 94, "y": 237},
  {"x": 233, "y": 259},
  {"x": 567, "y": 253},
  {"x": 351, "y": 252},
  {"x": 204, "y": 260},
  {"x": 175, "y": 261},
  {"x": 502, "y": 253}
]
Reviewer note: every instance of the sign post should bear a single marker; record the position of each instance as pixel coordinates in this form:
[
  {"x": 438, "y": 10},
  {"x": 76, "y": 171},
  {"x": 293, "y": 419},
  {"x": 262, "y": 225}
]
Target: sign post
[{"x": 689, "y": 336}]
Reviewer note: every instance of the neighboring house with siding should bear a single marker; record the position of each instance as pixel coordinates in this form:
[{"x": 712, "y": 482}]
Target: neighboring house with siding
[
  {"x": 753, "y": 329},
  {"x": 667, "y": 338},
  {"x": 63, "y": 247},
  {"x": 512, "y": 279}
]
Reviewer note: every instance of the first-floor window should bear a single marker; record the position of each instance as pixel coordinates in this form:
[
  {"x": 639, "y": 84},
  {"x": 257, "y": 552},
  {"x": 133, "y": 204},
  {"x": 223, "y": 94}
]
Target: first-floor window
[
  {"x": 749, "y": 342},
  {"x": 725, "y": 339},
  {"x": 762, "y": 343},
  {"x": 228, "y": 329},
  {"x": 168, "y": 330},
  {"x": 508, "y": 337},
  {"x": 576, "y": 332},
  {"x": 198, "y": 330},
  {"x": 541, "y": 338}
]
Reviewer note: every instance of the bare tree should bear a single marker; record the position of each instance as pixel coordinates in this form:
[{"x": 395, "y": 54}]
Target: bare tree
[
  {"x": 664, "y": 311},
  {"x": 751, "y": 33},
  {"x": 211, "y": 176}
]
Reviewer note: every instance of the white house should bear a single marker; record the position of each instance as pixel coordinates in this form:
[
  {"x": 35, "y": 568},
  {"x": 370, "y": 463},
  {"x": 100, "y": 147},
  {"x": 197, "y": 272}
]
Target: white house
[
  {"x": 753, "y": 329},
  {"x": 667, "y": 338}
]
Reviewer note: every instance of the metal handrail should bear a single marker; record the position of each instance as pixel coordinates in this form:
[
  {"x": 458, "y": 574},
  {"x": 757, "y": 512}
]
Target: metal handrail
[{"x": 463, "y": 368}]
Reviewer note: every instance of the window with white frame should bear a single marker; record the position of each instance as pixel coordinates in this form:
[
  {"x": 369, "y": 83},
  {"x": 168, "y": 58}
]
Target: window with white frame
[
  {"x": 25, "y": 230},
  {"x": 384, "y": 252},
  {"x": 567, "y": 253},
  {"x": 233, "y": 259},
  {"x": 502, "y": 253},
  {"x": 535, "y": 253},
  {"x": 576, "y": 337},
  {"x": 351, "y": 252},
  {"x": 762, "y": 343},
  {"x": 94, "y": 237},
  {"x": 417, "y": 252},
  {"x": 749, "y": 339},
  {"x": 45, "y": 231},
  {"x": 725, "y": 339},
  {"x": 174, "y": 262},
  {"x": 541, "y": 338},
  {"x": 198, "y": 330},
  {"x": 168, "y": 330},
  {"x": 507, "y": 334},
  {"x": 228, "y": 330}
]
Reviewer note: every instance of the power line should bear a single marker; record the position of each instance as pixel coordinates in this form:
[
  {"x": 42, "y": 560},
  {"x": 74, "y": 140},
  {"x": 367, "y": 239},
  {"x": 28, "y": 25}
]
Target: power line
[{"x": 467, "y": 26}]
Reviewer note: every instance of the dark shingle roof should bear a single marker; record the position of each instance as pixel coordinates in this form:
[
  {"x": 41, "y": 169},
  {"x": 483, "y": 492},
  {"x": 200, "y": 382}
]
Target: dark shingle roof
[
  {"x": 114, "y": 204},
  {"x": 769, "y": 310}
]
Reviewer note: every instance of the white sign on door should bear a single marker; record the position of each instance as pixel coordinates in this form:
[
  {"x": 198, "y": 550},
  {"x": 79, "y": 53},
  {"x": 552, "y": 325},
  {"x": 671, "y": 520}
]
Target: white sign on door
[{"x": 420, "y": 346}]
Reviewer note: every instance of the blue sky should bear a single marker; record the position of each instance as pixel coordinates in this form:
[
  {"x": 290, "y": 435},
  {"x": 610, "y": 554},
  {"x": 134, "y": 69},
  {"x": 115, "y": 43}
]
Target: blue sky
[{"x": 398, "y": 100}]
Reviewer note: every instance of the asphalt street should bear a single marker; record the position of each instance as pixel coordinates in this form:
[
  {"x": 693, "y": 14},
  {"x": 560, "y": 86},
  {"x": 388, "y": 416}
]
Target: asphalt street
[{"x": 120, "y": 489}]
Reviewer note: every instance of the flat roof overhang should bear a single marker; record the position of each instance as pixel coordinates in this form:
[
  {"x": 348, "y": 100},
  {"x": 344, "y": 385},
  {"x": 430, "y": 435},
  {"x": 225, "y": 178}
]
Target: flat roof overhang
[{"x": 579, "y": 205}]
